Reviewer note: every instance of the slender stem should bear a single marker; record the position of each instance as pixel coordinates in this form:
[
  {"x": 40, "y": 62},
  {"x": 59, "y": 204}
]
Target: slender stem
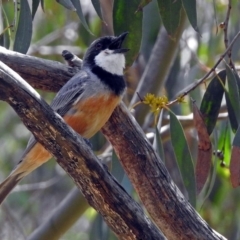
[
  {"x": 226, "y": 33},
  {"x": 200, "y": 81}
]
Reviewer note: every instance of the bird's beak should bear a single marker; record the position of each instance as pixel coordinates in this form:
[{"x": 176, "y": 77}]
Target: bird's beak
[{"x": 116, "y": 45}]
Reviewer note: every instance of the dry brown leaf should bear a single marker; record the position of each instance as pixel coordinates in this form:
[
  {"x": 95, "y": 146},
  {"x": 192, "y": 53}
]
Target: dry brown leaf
[
  {"x": 203, "y": 164},
  {"x": 235, "y": 167}
]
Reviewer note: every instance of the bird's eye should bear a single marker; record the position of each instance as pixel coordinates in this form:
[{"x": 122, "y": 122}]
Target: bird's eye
[{"x": 98, "y": 46}]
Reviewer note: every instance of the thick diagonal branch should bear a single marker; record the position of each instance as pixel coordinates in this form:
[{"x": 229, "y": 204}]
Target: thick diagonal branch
[
  {"x": 40, "y": 73},
  {"x": 103, "y": 192},
  {"x": 165, "y": 204}
]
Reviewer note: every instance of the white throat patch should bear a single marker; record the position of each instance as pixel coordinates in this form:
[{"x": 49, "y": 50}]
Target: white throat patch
[{"x": 111, "y": 62}]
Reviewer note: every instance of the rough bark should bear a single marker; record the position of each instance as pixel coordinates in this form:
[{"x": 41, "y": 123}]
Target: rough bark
[
  {"x": 40, "y": 73},
  {"x": 125, "y": 217},
  {"x": 162, "y": 199}
]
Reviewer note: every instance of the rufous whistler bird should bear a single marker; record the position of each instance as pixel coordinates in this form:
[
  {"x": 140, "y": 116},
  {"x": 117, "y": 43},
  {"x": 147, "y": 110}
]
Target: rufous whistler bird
[{"x": 85, "y": 102}]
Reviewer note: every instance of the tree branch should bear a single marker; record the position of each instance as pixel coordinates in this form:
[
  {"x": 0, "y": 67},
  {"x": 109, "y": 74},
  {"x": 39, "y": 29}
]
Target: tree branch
[
  {"x": 51, "y": 76},
  {"x": 103, "y": 192},
  {"x": 164, "y": 202}
]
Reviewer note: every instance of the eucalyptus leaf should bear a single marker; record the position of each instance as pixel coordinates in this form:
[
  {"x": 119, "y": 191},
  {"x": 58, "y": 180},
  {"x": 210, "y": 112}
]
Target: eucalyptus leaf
[
  {"x": 97, "y": 6},
  {"x": 67, "y": 4},
  {"x": 183, "y": 157},
  {"x": 35, "y": 4},
  {"x": 191, "y": 11},
  {"x": 170, "y": 12},
  {"x": 5, "y": 36},
  {"x": 24, "y": 30},
  {"x": 126, "y": 18},
  {"x": 233, "y": 99},
  {"x": 77, "y": 5},
  {"x": 212, "y": 99}
]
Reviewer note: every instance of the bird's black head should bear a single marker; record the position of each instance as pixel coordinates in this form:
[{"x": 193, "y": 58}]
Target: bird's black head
[{"x": 107, "y": 53}]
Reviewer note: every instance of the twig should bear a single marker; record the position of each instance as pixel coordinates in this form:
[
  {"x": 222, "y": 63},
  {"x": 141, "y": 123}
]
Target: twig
[
  {"x": 139, "y": 96},
  {"x": 200, "y": 81},
  {"x": 10, "y": 216},
  {"x": 171, "y": 209},
  {"x": 225, "y": 29},
  {"x": 101, "y": 190},
  {"x": 37, "y": 186},
  {"x": 5, "y": 29}
]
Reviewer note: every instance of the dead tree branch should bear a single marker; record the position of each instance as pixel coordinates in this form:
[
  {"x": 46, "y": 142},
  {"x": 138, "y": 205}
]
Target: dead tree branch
[
  {"x": 162, "y": 199},
  {"x": 103, "y": 192}
]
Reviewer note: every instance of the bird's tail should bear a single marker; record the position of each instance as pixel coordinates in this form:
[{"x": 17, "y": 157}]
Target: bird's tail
[
  {"x": 7, "y": 186},
  {"x": 34, "y": 156},
  {"x": 24, "y": 167}
]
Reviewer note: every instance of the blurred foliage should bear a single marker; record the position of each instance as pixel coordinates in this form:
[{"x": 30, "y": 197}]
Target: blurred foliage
[{"x": 56, "y": 28}]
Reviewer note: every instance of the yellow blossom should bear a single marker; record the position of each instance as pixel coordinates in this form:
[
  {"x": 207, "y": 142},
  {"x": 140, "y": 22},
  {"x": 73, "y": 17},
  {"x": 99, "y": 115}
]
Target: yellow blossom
[
  {"x": 155, "y": 103},
  {"x": 149, "y": 98}
]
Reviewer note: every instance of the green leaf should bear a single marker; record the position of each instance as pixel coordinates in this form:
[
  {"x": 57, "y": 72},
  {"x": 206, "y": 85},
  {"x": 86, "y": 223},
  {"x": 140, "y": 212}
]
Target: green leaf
[
  {"x": 211, "y": 101},
  {"x": 42, "y": 5},
  {"x": 35, "y": 4},
  {"x": 97, "y": 6},
  {"x": 224, "y": 141},
  {"x": 142, "y": 4},
  {"x": 170, "y": 11},
  {"x": 67, "y": 4},
  {"x": 233, "y": 99},
  {"x": 231, "y": 113},
  {"x": 233, "y": 91},
  {"x": 151, "y": 17},
  {"x": 77, "y": 5},
  {"x": 236, "y": 140},
  {"x": 117, "y": 169},
  {"x": 5, "y": 35},
  {"x": 24, "y": 29},
  {"x": 191, "y": 11},
  {"x": 237, "y": 79},
  {"x": 183, "y": 157},
  {"x": 127, "y": 18}
]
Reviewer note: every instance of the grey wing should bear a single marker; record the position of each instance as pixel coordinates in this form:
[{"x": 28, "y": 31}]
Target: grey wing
[
  {"x": 68, "y": 94},
  {"x": 64, "y": 99}
]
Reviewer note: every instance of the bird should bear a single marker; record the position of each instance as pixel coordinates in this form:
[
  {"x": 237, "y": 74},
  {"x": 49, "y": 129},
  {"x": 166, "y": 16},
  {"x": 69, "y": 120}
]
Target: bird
[{"x": 85, "y": 102}]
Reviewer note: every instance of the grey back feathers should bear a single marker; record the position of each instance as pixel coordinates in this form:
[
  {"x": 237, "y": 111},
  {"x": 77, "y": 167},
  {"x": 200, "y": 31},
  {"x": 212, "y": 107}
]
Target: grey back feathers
[
  {"x": 101, "y": 76},
  {"x": 101, "y": 72},
  {"x": 81, "y": 86}
]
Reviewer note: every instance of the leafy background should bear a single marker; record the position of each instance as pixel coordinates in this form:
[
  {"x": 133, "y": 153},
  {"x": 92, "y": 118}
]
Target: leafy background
[{"x": 193, "y": 43}]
